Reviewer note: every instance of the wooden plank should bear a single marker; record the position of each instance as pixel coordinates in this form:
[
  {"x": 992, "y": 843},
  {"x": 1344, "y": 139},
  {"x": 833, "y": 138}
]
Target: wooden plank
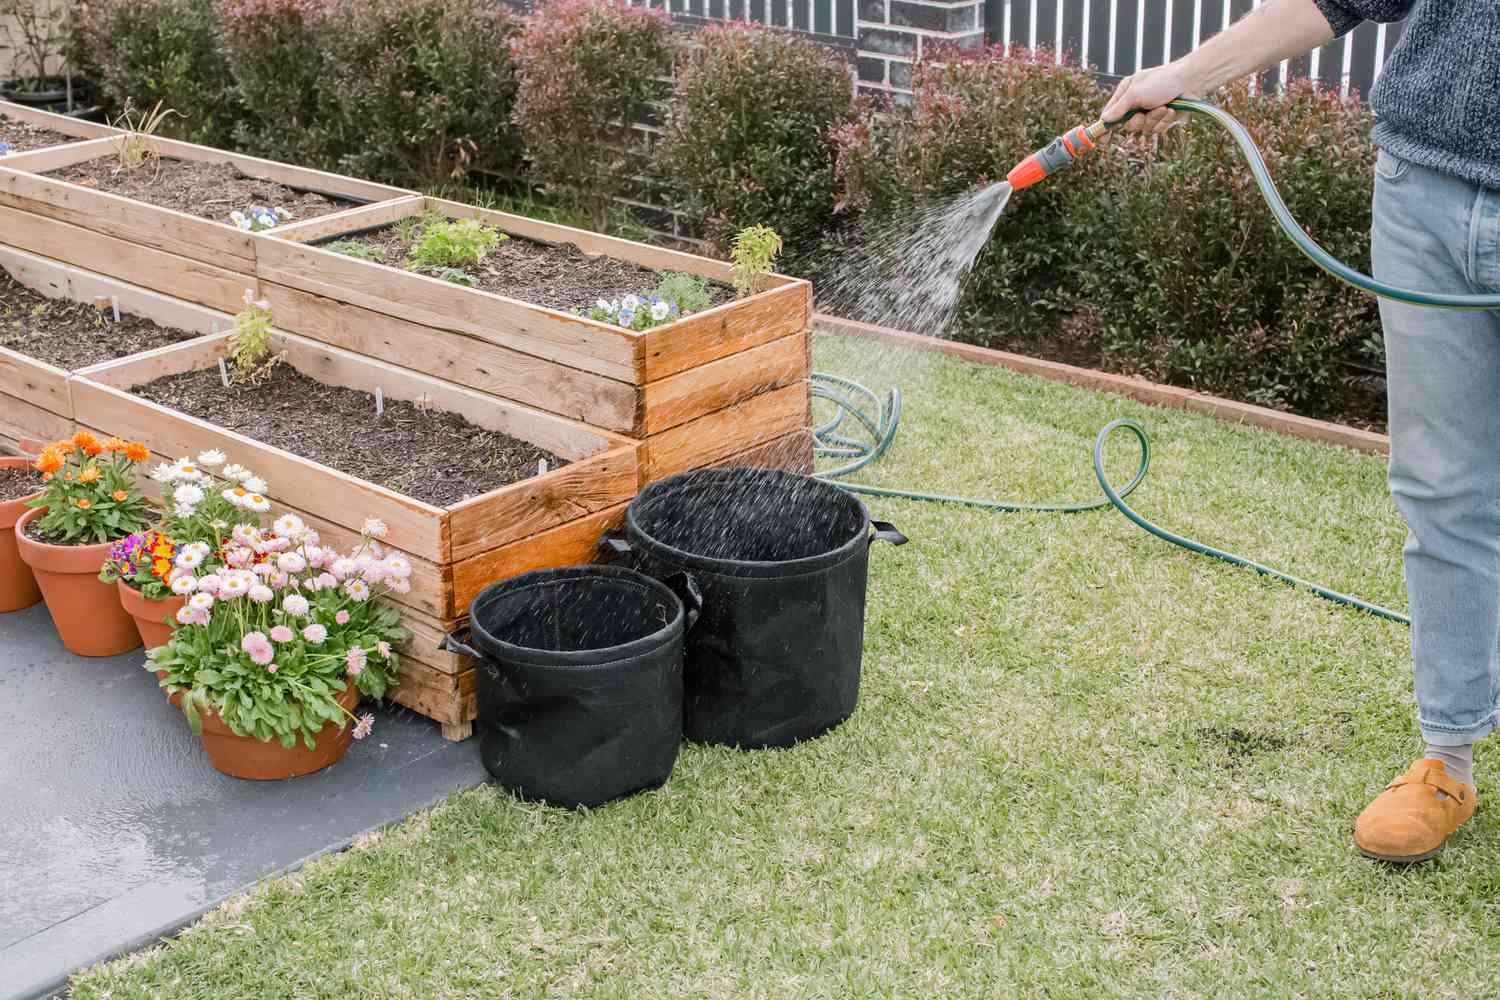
[
  {"x": 359, "y": 217},
  {"x": 446, "y": 698},
  {"x": 58, "y": 280},
  {"x": 39, "y": 161},
  {"x": 136, "y": 221},
  {"x": 36, "y": 382},
  {"x": 425, "y": 645},
  {"x": 414, "y": 526},
  {"x": 571, "y": 544},
  {"x": 196, "y": 281},
  {"x": 548, "y": 385},
  {"x": 547, "y": 333},
  {"x": 793, "y": 453},
  {"x": 66, "y": 124},
  {"x": 717, "y": 384},
  {"x": 21, "y": 421},
  {"x": 570, "y": 439},
  {"x": 304, "y": 178},
  {"x": 159, "y": 362},
  {"x": 730, "y": 431},
  {"x": 535, "y": 505},
  {"x": 727, "y": 329}
]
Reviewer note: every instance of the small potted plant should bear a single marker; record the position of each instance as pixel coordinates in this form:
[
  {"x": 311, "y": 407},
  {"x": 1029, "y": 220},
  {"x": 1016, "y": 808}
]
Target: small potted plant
[
  {"x": 34, "y": 32},
  {"x": 90, "y": 499},
  {"x": 152, "y": 568},
  {"x": 19, "y": 485},
  {"x": 273, "y": 651}
]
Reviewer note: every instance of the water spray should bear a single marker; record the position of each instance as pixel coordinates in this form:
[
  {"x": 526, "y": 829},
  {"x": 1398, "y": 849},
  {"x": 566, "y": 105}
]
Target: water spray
[{"x": 878, "y": 419}]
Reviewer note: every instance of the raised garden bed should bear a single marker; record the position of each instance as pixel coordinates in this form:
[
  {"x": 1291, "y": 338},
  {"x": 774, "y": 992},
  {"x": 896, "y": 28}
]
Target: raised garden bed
[
  {"x": 25, "y": 129},
  {"x": 55, "y": 319},
  {"x": 166, "y": 224},
  {"x": 456, "y": 546},
  {"x": 709, "y": 386}
]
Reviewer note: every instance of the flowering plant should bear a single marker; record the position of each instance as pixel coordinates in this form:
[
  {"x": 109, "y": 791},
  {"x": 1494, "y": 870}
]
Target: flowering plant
[
  {"x": 193, "y": 532},
  {"x": 91, "y": 495},
  {"x": 635, "y": 312},
  {"x": 258, "y": 217},
  {"x": 271, "y": 640},
  {"x": 4, "y": 149}
]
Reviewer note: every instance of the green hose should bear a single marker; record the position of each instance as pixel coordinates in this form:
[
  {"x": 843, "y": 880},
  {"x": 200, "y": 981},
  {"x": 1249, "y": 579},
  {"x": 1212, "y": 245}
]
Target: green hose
[{"x": 881, "y": 426}]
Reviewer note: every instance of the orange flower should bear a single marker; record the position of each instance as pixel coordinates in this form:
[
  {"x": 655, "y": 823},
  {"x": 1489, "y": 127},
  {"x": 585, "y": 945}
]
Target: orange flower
[
  {"x": 89, "y": 475},
  {"x": 161, "y": 567},
  {"x": 65, "y": 447},
  {"x": 49, "y": 461},
  {"x": 85, "y": 440},
  {"x": 120, "y": 496},
  {"x": 137, "y": 452},
  {"x": 114, "y": 444},
  {"x": 163, "y": 548},
  {"x": 83, "y": 503}
]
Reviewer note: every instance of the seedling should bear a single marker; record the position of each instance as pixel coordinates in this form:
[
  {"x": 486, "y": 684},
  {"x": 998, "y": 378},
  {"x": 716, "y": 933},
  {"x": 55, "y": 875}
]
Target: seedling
[
  {"x": 135, "y": 149},
  {"x": 250, "y": 344},
  {"x": 452, "y": 243},
  {"x": 753, "y": 255},
  {"x": 689, "y": 291},
  {"x": 359, "y": 251}
]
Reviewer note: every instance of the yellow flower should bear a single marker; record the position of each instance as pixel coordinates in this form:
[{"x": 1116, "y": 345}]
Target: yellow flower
[{"x": 89, "y": 475}]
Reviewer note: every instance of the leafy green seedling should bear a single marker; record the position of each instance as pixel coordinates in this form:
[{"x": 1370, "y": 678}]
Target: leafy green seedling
[
  {"x": 689, "y": 291},
  {"x": 753, "y": 255},
  {"x": 359, "y": 251},
  {"x": 452, "y": 243}
]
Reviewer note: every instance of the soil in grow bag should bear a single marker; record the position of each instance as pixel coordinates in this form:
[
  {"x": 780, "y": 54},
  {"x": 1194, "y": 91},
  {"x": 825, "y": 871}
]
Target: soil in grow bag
[
  {"x": 70, "y": 334},
  {"x": 18, "y": 483},
  {"x": 429, "y": 455},
  {"x": 21, "y": 136},
  {"x": 207, "y": 190},
  {"x": 557, "y": 276}
]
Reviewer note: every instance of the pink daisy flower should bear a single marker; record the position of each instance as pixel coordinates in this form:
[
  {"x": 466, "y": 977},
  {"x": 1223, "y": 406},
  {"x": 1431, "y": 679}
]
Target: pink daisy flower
[
  {"x": 258, "y": 646},
  {"x": 342, "y": 617},
  {"x": 363, "y": 726},
  {"x": 315, "y": 634},
  {"x": 281, "y": 633},
  {"x": 355, "y": 659}
]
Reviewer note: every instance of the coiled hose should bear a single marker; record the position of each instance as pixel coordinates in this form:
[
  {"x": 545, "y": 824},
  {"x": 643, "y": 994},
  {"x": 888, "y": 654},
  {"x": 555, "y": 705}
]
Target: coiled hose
[{"x": 883, "y": 418}]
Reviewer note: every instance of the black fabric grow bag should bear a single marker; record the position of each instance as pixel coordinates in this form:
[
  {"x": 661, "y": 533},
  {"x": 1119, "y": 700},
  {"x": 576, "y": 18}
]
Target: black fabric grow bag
[
  {"x": 782, "y": 561},
  {"x": 579, "y": 681}
]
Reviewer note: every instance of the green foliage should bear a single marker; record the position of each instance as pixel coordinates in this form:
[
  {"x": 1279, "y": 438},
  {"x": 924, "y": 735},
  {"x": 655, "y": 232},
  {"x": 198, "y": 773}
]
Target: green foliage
[
  {"x": 91, "y": 494},
  {"x": 161, "y": 52},
  {"x": 274, "y": 51},
  {"x": 753, "y": 255},
  {"x": 250, "y": 344},
  {"x": 419, "y": 92},
  {"x": 357, "y": 250},
  {"x": 974, "y": 115},
  {"x": 135, "y": 149},
  {"x": 444, "y": 243},
  {"x": 454, "y": 276},
  {"x": 584, "y": 69},
  {"x": 688, "y": 291},
  {"x": 749, "y": 135},
  {"x": 1194, "y": 282}
]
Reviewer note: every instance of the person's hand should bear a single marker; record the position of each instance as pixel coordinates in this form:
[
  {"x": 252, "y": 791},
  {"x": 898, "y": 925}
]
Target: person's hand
[{"x": 1149, "y": 90}]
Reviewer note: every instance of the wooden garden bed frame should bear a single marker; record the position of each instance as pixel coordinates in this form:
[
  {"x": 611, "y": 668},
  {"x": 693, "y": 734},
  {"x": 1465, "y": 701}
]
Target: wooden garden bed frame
[
  {"x": 697, "y": 391},
  {"x": 76, "y": 128},
  {"x": 553, "y": 519},
  {"x": 36, "y": 402},
  {"x": 204, "y": 261}
]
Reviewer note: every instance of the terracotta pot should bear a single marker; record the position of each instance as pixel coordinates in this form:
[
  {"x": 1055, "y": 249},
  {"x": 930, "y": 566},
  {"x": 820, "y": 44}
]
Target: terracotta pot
[
  {"x": 18, "y": 587},
  {"x": 247, "y": 757},
  {"x": 151, "y": 617},
  {"x": 87, "y": 613}
]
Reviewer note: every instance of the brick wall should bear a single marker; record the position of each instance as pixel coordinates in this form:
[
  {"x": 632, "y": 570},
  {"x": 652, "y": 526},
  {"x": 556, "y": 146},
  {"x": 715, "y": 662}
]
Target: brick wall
[{"x": 893, "y": 33}]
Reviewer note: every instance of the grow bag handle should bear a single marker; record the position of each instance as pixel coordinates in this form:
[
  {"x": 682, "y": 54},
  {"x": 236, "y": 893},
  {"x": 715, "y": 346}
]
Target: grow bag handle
[
  {"x": 453, "y": 644},
  {"x": 885, "y": 531},
  {"x": 615, "y": 544},
  {"x": 685, "y": 586}
]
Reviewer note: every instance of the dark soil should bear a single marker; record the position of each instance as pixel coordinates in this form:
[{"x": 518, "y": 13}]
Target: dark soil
[
  {"x": 207, "y": 190},
  {"x": 558, "y": 276},
  {"x": 72, "y": 334},
  {"x": 21, "y": 136},
  {"x": 429, "y": 455},
  {"x": 18, "y": 483}
]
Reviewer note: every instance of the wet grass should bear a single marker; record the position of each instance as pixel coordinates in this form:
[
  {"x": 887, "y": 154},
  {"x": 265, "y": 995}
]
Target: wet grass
[{"x": 1085, "y": 764}]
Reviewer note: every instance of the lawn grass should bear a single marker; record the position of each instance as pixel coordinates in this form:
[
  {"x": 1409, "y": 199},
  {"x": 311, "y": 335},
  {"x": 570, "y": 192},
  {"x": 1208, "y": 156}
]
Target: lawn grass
[{"x": 1085, "y": 763}]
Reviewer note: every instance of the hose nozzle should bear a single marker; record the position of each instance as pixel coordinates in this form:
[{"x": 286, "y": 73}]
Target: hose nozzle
[{"x": 1058, "y": 153}]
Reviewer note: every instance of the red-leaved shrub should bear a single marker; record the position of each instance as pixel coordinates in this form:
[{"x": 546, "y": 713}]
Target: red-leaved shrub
[{"x": 584, "y": 67}]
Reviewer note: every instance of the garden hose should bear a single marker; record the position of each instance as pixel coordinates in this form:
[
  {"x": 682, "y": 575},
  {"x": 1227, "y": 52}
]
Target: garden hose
[
  {"x": 1066, "y": 148},
  {"x": 880, "y": 428}
]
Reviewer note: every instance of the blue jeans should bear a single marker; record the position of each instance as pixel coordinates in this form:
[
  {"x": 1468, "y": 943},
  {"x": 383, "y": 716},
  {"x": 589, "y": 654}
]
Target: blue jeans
[{"x": 1436, "y": 233}]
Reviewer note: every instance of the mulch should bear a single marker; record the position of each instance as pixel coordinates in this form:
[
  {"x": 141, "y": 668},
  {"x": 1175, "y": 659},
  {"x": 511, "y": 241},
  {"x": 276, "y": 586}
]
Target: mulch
[
  {"x": 18, "y": 483},
  {"x": 430, "y": 455},
  {"x": 557, "y": 276},
  {"x": 21, "y": 136},
  {"x": 72, "y": 334},
  {"x": 207, "y": 190}
]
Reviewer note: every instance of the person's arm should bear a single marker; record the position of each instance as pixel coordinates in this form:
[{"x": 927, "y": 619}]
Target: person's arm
[{"x": 1281, "y": 29}]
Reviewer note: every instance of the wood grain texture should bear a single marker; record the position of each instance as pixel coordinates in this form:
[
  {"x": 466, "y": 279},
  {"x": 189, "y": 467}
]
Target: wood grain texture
[
  {"x": 727, "y": 329},
  {"x": 359, "y": 217},
  {"x": 535, "y": 505},
  {"x": 301, "y": 178},
  {"x": 793, "y": 453},
  {"x": 21, "y": 421},
  {"x": 40, "y": 161},
  {"x": 183, "y": 277},
  {"x": 571, "y": 544},
  {"x": 66, "y": 124},
  {"x": 730, "y": 431},
  {"x": 36, "y": 382},
  {"x": 709, "y": 387},
  {"x": 490, "y": 368},
  {"x": 446, "y": 698}
]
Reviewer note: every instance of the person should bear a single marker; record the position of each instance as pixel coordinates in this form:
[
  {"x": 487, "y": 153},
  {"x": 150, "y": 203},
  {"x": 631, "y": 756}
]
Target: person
[{"x": 1436, "y": 227}]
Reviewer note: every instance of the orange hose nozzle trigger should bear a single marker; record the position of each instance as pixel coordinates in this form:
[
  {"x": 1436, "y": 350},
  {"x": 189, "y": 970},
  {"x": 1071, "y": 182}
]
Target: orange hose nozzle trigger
[{"x": 1026, "y": 173}]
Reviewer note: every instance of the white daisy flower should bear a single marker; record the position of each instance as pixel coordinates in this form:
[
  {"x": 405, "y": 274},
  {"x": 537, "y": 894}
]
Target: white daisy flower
[
  {"x": 257, "y": 503},
  {"x": 201, "y": 601},
  {"x": 254, "y": 484},
  {"x": 234, "y": 473},
  {"x": 397, "y": 567},
  {"x": 164, "y": 473},
  {"x": 184, "y": 584},
  {"x": 357, "y": 590},
  {"x": 188, "y": 493},
  {"x": 287, "y": 525},
  {"x": 236, "y": 583},
  {"x": 211, "y": 458},
  {"x": 185, "y": 510},
  {"x": 189, "y": 559},
  {"x": 296, "y": 605}
]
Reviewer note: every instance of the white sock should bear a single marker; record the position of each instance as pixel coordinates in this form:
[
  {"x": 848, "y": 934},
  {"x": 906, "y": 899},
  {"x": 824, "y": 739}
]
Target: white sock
[{"x": 1458, "y": 761}]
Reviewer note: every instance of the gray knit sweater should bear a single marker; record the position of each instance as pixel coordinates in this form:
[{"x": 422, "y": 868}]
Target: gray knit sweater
[{"x": 1437, "y": 102}]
